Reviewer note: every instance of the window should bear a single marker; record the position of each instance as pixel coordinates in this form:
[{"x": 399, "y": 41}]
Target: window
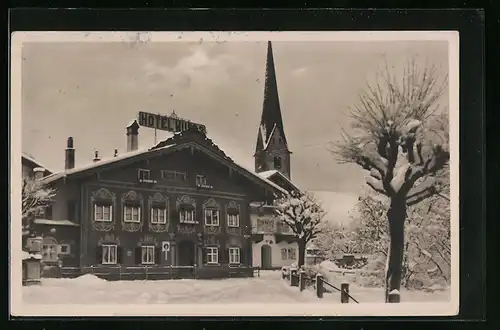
[
  {"x": 186, "y": 216},
  {"x": 109, "y": 254},
  {"x": 132, "y": 213},
  {"x": 201, "y": 180},
  {"x": 234, "y": 255},
  {"x": 233, "y": 220},
  {"x": 158, "y": 215},
  {"x": 144, "y": 175},
  {"x": 284, "y": 227},
  {"x": 64, "y": 249},
  {"x": 50, "y": 252},
  {"x": 277, "y": 163},
  {"x": 212, "y": 255},
  {"x": 148, "y": 254},
  {"x": 288, "y": 254},
  {"x": 211, "y": 217},
  {"x": 102, "y": 212},
  {"x": 173, "y": 176}
]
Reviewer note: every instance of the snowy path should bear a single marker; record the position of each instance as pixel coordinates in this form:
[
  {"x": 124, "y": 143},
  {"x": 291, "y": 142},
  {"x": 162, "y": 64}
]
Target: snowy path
[{"x": 269, "y": 288}]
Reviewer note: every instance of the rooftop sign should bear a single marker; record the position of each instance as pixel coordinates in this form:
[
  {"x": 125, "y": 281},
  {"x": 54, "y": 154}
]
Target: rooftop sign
[{"x": 167, "y": 123}]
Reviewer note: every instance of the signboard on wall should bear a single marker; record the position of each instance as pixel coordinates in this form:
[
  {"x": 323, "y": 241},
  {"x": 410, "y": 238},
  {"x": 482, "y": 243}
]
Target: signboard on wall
[
  {"x": 165, "y": 246},
  {"x": 167, "y": 123}
]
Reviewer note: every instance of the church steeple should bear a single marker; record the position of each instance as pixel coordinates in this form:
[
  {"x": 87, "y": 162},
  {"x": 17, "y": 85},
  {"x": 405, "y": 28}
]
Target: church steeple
[{"x": 271, "y": 152}]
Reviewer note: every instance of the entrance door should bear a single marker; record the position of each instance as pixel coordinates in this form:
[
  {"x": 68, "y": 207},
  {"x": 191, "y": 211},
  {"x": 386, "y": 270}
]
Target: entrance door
[
  {"x": 265, "y": 257},
  {"x": 186, "y": 253}
]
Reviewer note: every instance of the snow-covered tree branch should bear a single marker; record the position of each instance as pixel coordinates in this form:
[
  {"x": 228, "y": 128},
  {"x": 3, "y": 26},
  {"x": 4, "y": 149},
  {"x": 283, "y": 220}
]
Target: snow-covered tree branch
[
  {"x": 399, "y": 136},
  {"x": 35, "y": 198},
  {"x": 304, "y": 215}
]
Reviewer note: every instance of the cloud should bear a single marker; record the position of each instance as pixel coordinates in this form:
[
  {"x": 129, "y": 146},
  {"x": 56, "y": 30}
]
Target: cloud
[{"x": 300, "y": 71}]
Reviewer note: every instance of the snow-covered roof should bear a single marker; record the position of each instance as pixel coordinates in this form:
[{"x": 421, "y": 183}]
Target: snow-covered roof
[
  {"x": 270, "y": 173},
  {"x": 37, "y": 164},
  {"x": 55, "y": 222},
  {"x": 102, "y": 162}
]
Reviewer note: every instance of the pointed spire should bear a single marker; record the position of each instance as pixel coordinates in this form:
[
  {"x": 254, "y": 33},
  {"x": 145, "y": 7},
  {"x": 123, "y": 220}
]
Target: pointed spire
[{"x": 271, "y": 111}]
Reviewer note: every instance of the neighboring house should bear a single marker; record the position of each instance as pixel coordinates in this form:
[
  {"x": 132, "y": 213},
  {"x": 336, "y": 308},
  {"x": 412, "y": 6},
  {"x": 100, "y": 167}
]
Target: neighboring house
[
  {"x": 181, "y": 203},
  {"x": 274, "y": 243},
  {"x": 32, "y": 168}
]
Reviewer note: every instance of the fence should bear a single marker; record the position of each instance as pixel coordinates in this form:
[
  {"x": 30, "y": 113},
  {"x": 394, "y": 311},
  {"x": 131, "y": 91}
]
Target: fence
[
  {"x": 155, "y": 272},
  {"x": 301, "y": 280}
]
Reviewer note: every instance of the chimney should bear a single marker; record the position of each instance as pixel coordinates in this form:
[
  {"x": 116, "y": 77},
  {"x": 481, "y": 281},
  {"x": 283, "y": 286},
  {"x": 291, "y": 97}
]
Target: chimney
[
  {"x": 96, "y": 157},
  {"x": 70, "y": 155},
  {"x": 38, "y": 172},
  {"x": 116, "y": 152},
  {"x": 132, "y": 136}
]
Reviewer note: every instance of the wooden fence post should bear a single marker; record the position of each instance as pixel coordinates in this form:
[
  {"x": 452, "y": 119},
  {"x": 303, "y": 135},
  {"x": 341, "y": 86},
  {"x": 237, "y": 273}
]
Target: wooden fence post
[
  {"x": 319, "y": 286},
  {"x": 344, "y": 293},
  {"x": 302, "y": 280},
  {"x": 394, "y": 296},
  {"x": 294, "y": 279}
]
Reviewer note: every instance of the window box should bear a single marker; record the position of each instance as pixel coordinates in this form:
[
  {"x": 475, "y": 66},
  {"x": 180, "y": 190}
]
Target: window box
[
  {"x": 144, "y": 176},
  {"x": 201, "y": 182}
]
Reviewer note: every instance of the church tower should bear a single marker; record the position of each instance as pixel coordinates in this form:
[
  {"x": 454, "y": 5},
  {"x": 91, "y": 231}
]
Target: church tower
[{"x": 271, "y": 152}]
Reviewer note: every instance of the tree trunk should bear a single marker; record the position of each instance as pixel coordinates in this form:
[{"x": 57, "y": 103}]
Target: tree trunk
[
  {"x": 396, "y": 216},
  {"x": 302, "y": 253}
]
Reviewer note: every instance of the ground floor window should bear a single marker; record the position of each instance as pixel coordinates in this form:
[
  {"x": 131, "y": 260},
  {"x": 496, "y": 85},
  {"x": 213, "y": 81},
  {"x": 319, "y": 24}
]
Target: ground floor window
[
  {"x": 148, "y": 254},
  {"x": 109, "y": 254},
  {"x": 50, "y": 252},
  {"x": 212, "y": 255},
  {"x": 234, "y": 255},
  {"x": 288, "y": 254}
]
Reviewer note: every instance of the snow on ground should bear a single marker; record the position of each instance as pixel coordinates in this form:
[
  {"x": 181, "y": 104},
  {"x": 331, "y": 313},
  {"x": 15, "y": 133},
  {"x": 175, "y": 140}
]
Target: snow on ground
[{"x": 268, "y": 288}]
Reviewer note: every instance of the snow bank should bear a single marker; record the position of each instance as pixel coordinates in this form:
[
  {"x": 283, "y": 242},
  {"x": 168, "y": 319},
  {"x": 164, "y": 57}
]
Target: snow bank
[{"x": 89, "y": 280}]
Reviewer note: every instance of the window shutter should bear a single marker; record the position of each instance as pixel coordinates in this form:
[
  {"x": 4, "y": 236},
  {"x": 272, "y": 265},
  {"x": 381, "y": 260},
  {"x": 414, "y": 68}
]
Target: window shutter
[
  {"x": 111, "y": 212},
  {"x": 243, "y": 256},
  {"x": 98, "y": 255},
  {"x": 138, "y": 255},
  {"x": 119, "y": 251},
  {"x": 158, "y": 255},
  {"x": 204, "y": 255}
]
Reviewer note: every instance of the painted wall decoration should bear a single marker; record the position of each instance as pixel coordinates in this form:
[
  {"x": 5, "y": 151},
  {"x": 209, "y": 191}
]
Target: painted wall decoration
[
  {"x": 103, "y": 196},
  {"x": 158, "y": 200},
  {"x": 134, "y": 200}
]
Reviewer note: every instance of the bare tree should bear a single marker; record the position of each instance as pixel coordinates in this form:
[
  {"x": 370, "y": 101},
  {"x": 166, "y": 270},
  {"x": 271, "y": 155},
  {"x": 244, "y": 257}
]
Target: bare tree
[
  {"x": 303, "y": 214},
  {"x": 392, "y": 138},
  {"x": 35, "y": 198}
]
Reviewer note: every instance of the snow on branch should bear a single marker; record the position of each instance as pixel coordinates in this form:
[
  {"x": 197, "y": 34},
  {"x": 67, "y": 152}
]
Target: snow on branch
[
  {"x": 35, "y": 197},
  {"x": 302, "y": 213}
]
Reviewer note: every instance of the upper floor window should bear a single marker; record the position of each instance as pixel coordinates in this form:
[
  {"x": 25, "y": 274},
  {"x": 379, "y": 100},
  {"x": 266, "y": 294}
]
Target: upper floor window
[
  {"x": 103, "y": 212},
  {"x": 158, "y": 215},
  {"x": 144, "y": 174},
  {"x": 186, "y": 216},
  {"x": 233, "y": 220},
  {"x": 277, "y": 163},
  {"x": 173, "y": 176},
  {"x": 132, "y": 213},
  {"x": 201, "y": 180},
  {"x": 211, "y": 217}
]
